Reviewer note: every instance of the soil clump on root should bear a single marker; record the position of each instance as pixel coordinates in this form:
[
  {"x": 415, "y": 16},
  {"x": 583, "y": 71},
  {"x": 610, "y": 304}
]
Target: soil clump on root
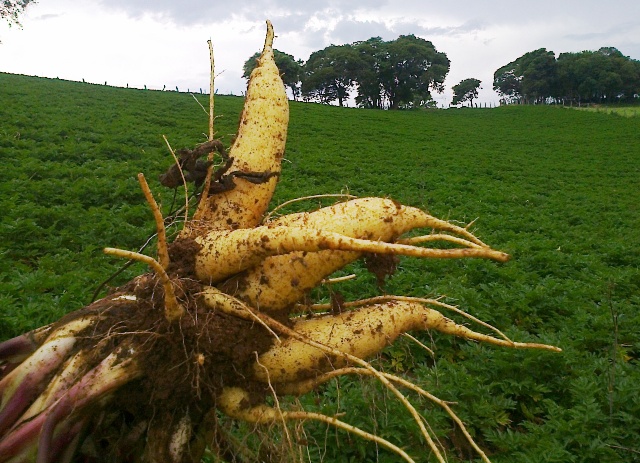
[{"x": 183, "y": 365}]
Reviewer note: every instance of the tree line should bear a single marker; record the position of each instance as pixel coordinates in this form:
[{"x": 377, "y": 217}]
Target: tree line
[
  {"x": 403, "y": 73},
  {"x": 394, "y": 74},
  {"x": 602, "y": 76}
]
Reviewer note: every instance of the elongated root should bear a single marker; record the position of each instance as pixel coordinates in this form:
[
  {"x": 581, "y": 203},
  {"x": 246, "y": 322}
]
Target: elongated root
[
  {"x": 316, "y": 349},
  {"x": 258, "y": 148},
  {"x": 236, "y": 306},
  {"x": 226, "y": 253},
  {"x": 362, "y": 333},
  {"x": 314, "y": 245}
]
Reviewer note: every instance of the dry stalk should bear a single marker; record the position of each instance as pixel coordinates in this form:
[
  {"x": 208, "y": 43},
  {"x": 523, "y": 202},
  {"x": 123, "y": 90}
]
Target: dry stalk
[{"x": 184, "y": 180}]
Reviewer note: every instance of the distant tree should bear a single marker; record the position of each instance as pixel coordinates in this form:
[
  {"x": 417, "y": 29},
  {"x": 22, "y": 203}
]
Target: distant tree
[
  {"x": 531, "y": 77},
  {"x": 411, "y": 69},
  {"x": 399, "y": 73},
  {"x": 602, "y": 76},
  {"x": 329, "y": 74},
  {"x": 466, "y": 90},
  {"x": 507, "y": 83},
  {"x": 290, "y": 69},
  {"x": 599, "y": 76},
  {"x": 11, "y": 10},
  {"x": 372, "y": 53},
  {"x": 539, "y": 76}
]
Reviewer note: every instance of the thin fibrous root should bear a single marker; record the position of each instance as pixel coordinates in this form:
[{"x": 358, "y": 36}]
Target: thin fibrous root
[
  {"x": 275, "y": 400},
  {"x": 436, "y": 237},
  {"x": 304, "y": 339},
  {"x": 211, "y": 89},
  {"x": 332, "y": 281},
  {"x": 303, "y": 387},
  {"x": 184, "y": 180},
  {"x": 163, "y": 249},
  {"x": 207, "y": 180},
  {"x": 231, "y": 401},
  {"x": 407, "y": 335},
  {"x": 173, "y": 309}
]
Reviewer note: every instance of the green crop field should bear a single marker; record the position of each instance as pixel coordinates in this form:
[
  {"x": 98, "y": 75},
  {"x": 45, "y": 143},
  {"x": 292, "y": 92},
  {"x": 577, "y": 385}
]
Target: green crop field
[{"x": 559, "y": 190}]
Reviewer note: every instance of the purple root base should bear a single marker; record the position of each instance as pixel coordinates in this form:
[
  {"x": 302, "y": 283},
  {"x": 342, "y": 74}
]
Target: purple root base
[
  {"x": 8, "y": 367},
  {"x": 30, "y": 387},
  {"x": 17, "y": 349},
  {"x": 50, "y": 431}
]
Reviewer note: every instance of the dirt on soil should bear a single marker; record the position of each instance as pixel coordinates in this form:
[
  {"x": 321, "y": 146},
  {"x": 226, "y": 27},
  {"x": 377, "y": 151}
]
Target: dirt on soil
[{"x": 382, "y": 266}]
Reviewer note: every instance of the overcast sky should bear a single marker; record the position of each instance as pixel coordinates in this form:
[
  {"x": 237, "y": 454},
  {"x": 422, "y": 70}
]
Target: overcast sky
[{"x": 164, "y": 42}]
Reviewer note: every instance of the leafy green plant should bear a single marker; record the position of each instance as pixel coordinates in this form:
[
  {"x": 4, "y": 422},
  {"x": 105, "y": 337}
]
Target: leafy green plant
[{"x": 557, "y": 189}]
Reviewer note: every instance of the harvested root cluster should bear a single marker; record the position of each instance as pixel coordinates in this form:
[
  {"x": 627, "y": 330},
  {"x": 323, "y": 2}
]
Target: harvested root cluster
[{"x": 143, "y": 374}]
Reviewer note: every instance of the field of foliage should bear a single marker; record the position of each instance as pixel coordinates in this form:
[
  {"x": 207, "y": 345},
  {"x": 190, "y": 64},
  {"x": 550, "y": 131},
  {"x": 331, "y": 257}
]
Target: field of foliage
[{"x": 557, "y": 189}]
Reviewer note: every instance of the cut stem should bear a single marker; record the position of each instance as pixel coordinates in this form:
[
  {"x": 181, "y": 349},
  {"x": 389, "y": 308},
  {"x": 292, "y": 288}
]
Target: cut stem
[
  {"x": 163, "y": 249},
  {"x": 173, "y": 309}
]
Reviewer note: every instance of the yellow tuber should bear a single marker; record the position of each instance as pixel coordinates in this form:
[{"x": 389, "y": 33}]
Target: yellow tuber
[
  {"x": 258, "y": 149},
  {"x": 323, "y": 242}
]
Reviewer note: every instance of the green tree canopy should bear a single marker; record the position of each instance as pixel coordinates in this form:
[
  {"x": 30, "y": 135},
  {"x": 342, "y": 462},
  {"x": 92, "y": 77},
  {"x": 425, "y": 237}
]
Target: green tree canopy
[
  {"x": 466, "y": 90},
  {"x": 11, "y": 10},
  {"x": 372, "y": 54},
  {"x": 409, "y": 70},
  {"x": 605, "y": 75},
  {"x": 530, "y": 78},
  {"x": 397, "y": 74},
  {"x": 290, "y": 69},
  {"x": 596, "y": 76},
  {"x": 329, "y": 74}
]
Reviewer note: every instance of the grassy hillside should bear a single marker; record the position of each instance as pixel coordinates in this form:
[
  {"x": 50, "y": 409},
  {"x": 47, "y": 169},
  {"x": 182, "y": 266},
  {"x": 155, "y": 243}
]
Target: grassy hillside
[{"x": 558, "y": 189}]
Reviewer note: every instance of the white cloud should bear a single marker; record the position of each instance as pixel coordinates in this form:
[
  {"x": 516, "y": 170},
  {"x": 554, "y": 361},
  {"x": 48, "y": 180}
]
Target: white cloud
[{"x": 163, "y": 42}]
